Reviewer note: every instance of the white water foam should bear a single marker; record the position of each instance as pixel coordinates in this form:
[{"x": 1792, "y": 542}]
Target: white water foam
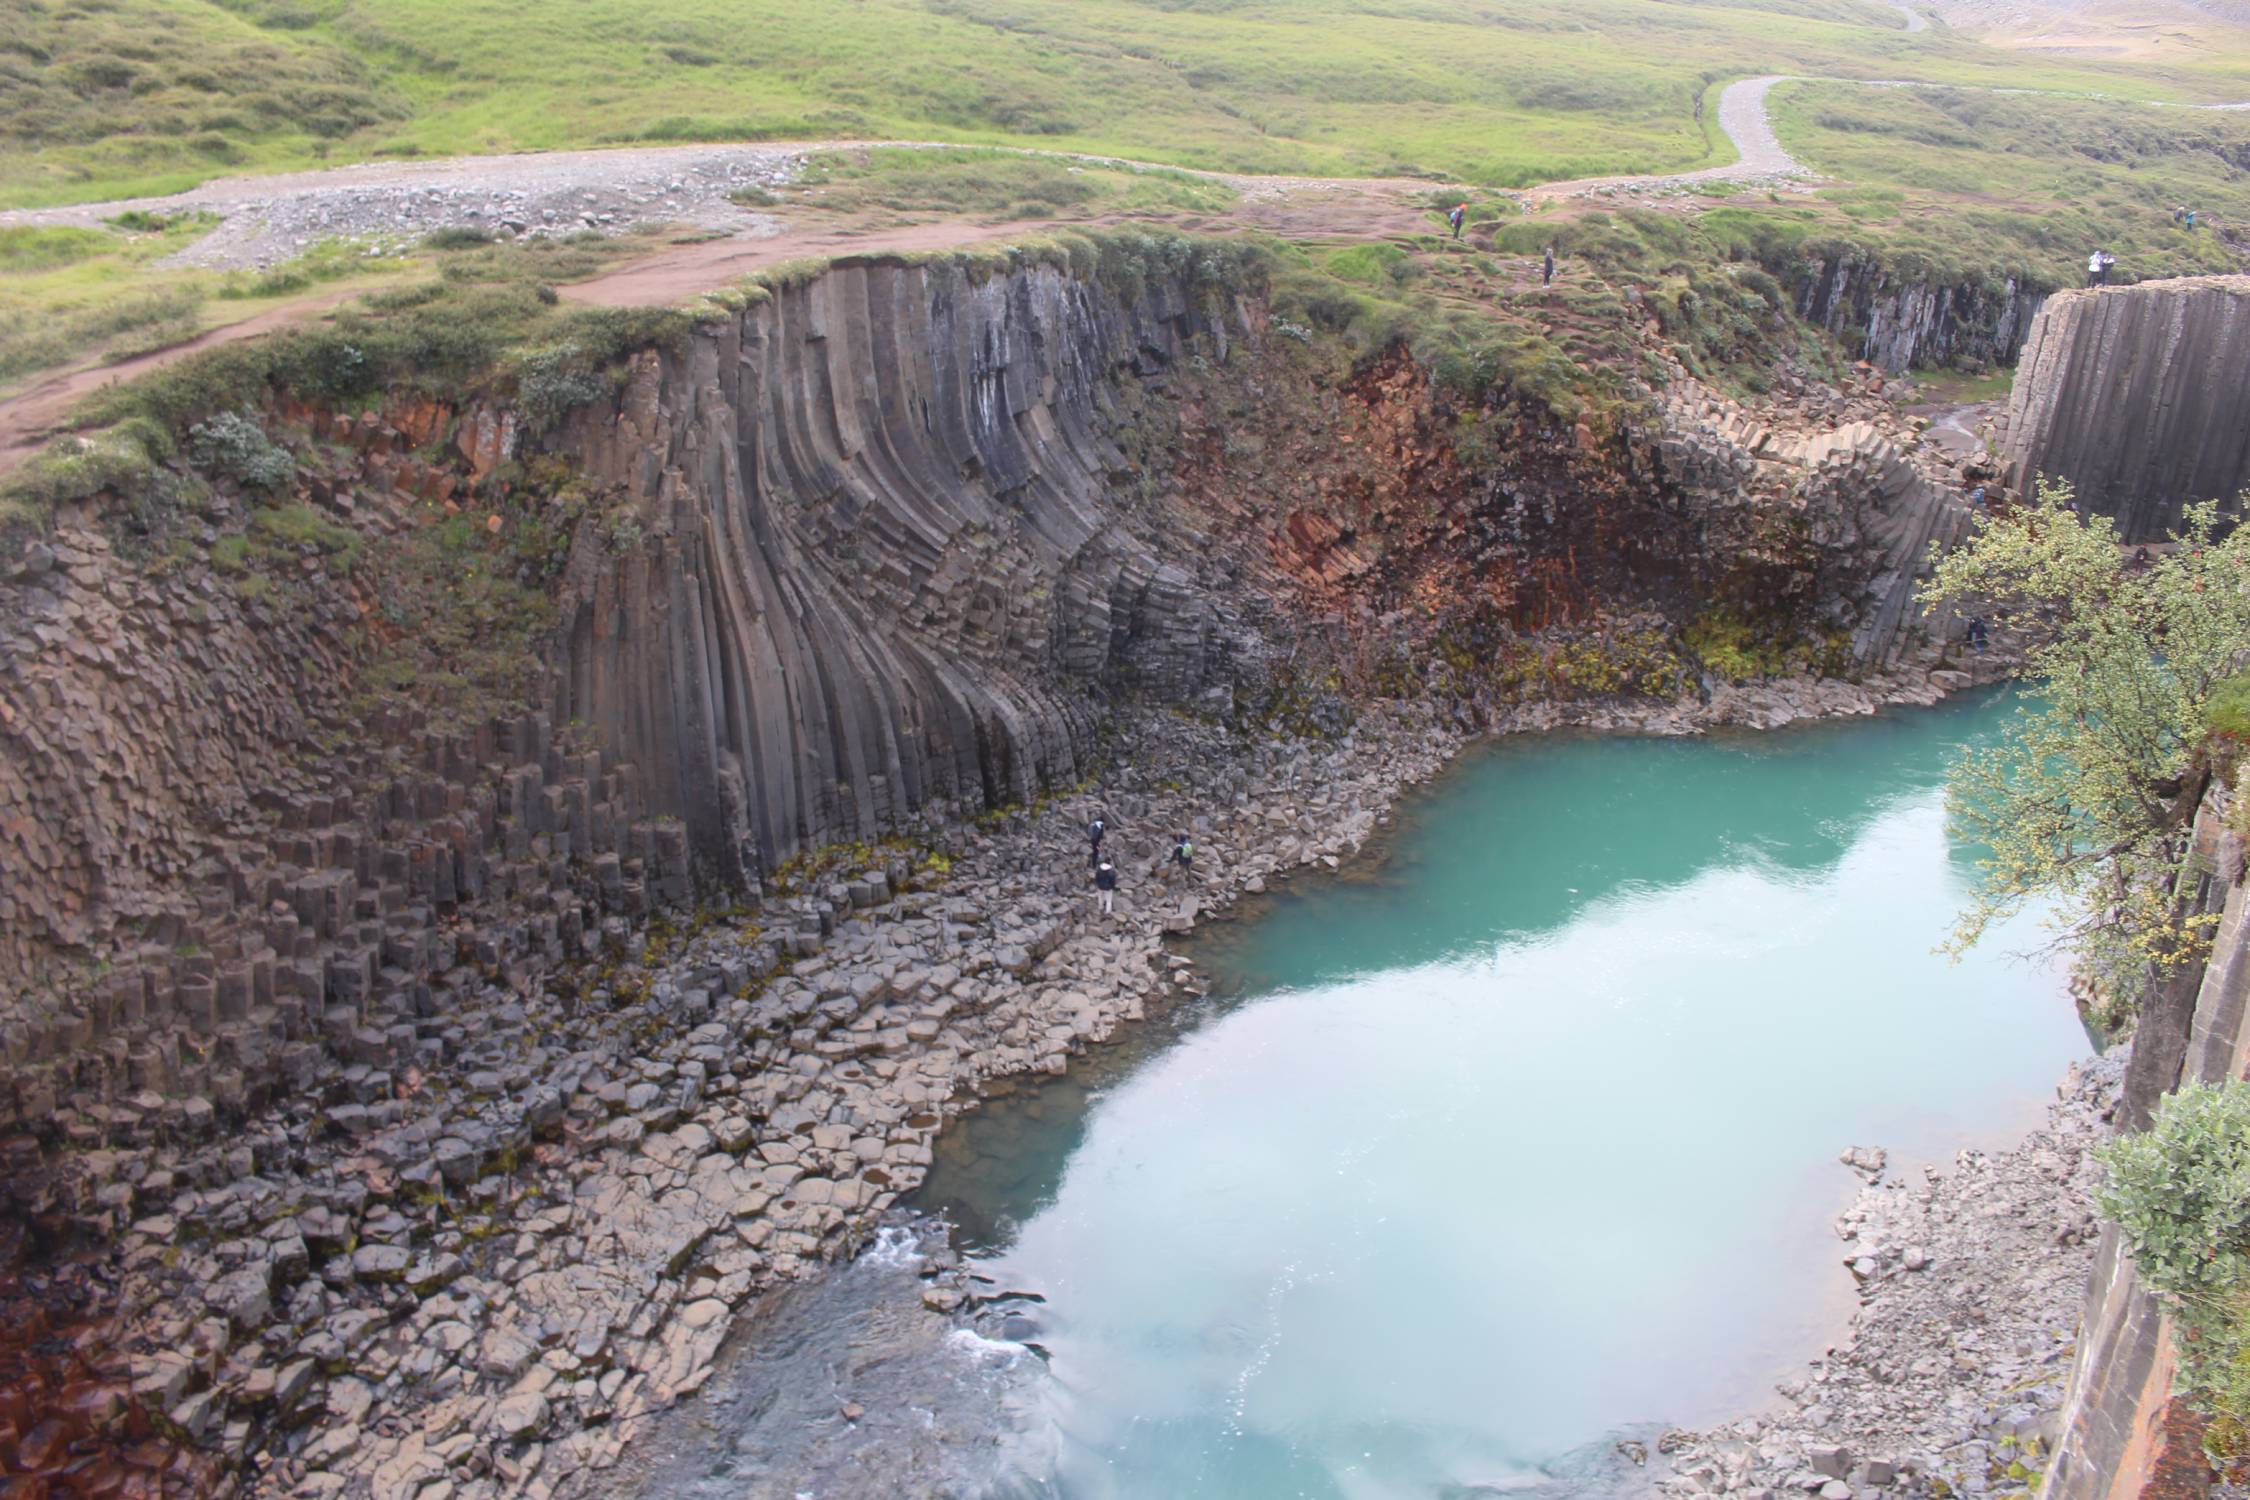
[{"x": 981, "y": 1350}]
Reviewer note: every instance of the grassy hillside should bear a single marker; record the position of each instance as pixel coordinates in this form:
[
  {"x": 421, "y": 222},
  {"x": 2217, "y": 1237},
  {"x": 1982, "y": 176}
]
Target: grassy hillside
[
  {"x": 1960, "y": 179},
  {"x": 134, "y": 93},
  {"x": 136, "y": 96}
]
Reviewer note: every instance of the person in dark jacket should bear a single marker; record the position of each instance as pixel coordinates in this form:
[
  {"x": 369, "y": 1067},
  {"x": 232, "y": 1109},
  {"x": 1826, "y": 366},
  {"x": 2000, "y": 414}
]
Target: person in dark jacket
[
  {"x": 1105, "y": 881},
  {"x": 1547, "y": 268},
  {"x": 1183, "y": 855},
  {"x": 1095, "y": 831}
]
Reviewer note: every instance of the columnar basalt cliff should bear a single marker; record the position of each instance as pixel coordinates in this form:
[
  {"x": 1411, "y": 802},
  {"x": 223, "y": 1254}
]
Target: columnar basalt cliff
[
  {"x": 2139, "y": 397},
  {"x": 1898, "y": 323},
  {"x": 893, "y": 547},
  {"x": 2123, "y": 1436},
  {"x": 880, "y": 545}
]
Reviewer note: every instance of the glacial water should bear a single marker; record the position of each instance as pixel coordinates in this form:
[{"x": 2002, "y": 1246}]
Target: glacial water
[{"x": 1518, "y": 1136}]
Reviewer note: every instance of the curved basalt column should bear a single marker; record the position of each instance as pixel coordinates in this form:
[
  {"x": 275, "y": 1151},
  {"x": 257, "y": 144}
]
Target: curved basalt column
[
  {"x": 892, "y": 548},
  {"x": 2139, "y": 397}
]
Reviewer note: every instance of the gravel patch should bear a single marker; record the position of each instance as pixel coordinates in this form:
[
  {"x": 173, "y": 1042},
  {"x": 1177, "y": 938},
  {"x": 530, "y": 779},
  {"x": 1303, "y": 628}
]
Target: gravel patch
[{"x": 1970, "y": 1286}]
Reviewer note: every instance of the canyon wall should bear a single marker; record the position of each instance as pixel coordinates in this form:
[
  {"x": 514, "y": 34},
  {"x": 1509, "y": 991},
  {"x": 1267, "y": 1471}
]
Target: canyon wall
[
  {"x": 2139, "y": 397},
  {"x": 894, "y": 543},
  {"x": 1897, "y": 323},
  {"x": 2123, "y": 1436},
  {"x": 883, "y": 544}
]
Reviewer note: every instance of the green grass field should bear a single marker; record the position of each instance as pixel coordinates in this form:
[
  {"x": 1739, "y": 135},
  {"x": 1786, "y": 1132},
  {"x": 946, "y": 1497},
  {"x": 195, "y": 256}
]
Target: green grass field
[
  {"x": 1961, "y": 179},
  {"x": 139, "y": 95}
]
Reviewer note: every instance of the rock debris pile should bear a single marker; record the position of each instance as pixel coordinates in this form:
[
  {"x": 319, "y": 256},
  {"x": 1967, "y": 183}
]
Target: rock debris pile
[
  {"x": 1970, "y": 1284},
  {"x": 477, "y": 1273}
]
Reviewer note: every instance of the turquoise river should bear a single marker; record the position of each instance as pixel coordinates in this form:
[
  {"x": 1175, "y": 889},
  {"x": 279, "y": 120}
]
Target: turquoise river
[{"x": 1519, "y": 1134}]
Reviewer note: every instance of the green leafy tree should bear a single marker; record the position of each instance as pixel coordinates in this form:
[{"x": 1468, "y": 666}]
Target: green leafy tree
[{"x": 2090, "y": 793}]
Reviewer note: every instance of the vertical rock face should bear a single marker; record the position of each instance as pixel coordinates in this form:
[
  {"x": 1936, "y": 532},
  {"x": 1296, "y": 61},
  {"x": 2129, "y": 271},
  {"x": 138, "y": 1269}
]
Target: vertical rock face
[
  {"x": 1899, "y": 324},
  {"x": 2121, "y": 1437},
  {"x": 886, "y": 543},
  {"x": 2139, "y": 397}
]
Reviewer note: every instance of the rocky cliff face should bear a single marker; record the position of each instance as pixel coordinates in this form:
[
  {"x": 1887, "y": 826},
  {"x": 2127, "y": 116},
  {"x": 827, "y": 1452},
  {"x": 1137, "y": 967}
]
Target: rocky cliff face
[
  {"x": 893, "y": 543},
  {"x": 1898, "y": 323},
  {"x": 885, "y": 544},
  {"x": 2139, "y": 397},
  {"x": 2123, "y": 1437}
]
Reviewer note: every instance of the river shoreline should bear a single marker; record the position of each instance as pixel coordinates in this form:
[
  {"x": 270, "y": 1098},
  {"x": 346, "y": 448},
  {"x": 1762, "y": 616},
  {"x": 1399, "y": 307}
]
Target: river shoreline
[
  {"x": 1951, "y": 1379},
  {"x": 504, "y": 1278}
]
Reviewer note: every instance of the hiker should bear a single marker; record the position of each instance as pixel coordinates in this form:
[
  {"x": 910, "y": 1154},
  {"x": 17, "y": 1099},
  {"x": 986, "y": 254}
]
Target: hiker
[
  {"x": 2140, "y": 557},
  {"x": 2097, "y": 267},
  {"x": 1105, "y": 881},
  {"x": 1547, "y": 268},
  {"x": 1456, "y": 216},
  {"x": 1094, "y": 832},
  {"x": 2191, "y": 218},
  {"x": 1183, "y": 855},
  {"x": 1976, "y": 498},
  {"x": 1977, "y": 634}
]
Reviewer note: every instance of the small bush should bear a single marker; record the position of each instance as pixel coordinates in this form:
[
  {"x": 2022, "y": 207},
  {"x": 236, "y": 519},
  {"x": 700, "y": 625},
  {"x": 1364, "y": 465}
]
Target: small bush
[
  {"x": 233, "y": 446},
  {"x": 456, "y": 237},
  {"x": 2228, "y": 711},
  {"x": 2179, "y": 1194}
]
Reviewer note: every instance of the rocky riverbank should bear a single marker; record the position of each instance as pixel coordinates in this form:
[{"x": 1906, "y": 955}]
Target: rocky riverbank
[
  {"x": 480, "y": 1274},
  {"x": 1952, "y": 1379}
]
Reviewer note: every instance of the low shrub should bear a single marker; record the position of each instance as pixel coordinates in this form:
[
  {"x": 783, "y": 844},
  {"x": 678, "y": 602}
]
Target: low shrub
[
  {"x": 231, "y": 445},
  {"x": 2179, "y": 1194}
]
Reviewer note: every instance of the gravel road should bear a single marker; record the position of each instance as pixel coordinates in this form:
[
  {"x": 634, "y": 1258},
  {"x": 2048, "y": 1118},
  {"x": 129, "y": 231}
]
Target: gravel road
[{"x": 271, "y": 219}]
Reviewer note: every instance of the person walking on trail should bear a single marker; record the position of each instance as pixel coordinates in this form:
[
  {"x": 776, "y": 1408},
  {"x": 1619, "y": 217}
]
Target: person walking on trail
[
  {"x": 1547, "y": 268},
  {"x": 1183, "y": 856},
  {"x": 1105, "y": 881},
  {"x": 1457, "y": 216}
]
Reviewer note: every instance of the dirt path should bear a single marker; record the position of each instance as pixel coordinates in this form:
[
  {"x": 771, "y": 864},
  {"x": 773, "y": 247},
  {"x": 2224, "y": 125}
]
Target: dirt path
[{"x": 270, "y": 218}]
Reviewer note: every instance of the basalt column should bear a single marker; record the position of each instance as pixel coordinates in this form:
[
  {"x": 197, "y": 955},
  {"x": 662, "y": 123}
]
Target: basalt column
[
  {"x": 2139, "y": 397},
  {"x": 884, "y": 546}
]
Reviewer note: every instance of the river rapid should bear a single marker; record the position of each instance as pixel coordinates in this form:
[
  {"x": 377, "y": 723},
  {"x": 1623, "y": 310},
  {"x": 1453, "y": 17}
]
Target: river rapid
[{"x": 1515, "y": 1139}]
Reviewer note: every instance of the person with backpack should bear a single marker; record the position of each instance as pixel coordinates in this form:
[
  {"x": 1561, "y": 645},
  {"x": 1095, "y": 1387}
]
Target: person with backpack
[
  {"x": 1457, "y": 216},
  {"x": 1105, "y": 882},
  {"x": 1183, "y": 856}
]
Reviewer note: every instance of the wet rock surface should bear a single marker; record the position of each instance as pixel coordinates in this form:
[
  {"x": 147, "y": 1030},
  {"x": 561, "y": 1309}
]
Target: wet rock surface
[{"x": 1970, "y": 1279}]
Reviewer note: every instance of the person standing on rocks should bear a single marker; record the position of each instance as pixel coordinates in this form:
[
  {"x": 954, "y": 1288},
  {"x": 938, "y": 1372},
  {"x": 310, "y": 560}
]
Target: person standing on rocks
[
  {"x": 1105, "y": 881},
  {"x": 1547, "y": 268},
  {"x": 2097, "y": 267},
  {"x": 1183, "y": 856},
  {"x": 1094, "y": 833}
]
